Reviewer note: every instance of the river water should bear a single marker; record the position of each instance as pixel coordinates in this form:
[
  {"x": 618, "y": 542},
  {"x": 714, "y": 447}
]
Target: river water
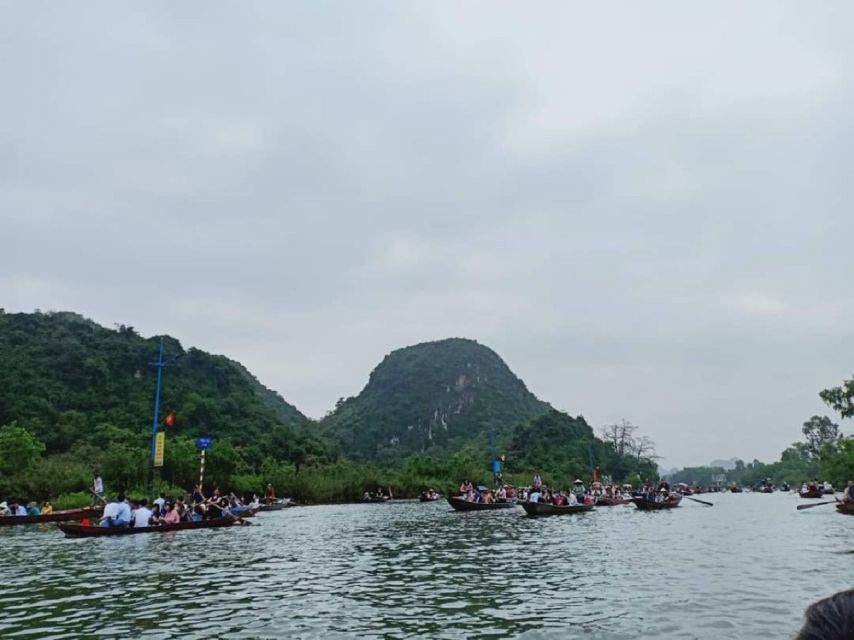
[{"x": 745, "y": 568}]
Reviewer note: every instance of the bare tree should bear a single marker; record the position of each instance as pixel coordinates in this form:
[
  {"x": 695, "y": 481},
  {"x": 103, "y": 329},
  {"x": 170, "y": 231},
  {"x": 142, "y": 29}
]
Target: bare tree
[{"x": 620, "y": 436}]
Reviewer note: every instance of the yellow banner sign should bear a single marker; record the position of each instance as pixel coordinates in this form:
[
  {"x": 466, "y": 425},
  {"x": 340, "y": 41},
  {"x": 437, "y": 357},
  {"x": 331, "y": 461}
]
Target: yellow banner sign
[{"x": 159, "y": 446}]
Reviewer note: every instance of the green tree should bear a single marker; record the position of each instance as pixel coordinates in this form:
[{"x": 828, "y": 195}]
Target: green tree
[
  {"x": 820, "y": 431},
  {"x": 19, "y": 449}
]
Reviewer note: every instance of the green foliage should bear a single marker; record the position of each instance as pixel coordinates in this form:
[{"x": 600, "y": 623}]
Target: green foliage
[
  {"x": 820, "y": 431},
  {"x": 83, "y": 394},
  {"x": 431, "y": 398},
  {"x": 837, "y": 462},
  {"x": 19, "y": 449}
]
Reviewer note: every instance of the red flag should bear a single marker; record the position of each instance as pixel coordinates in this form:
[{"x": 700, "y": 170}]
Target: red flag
[{"x": 170, "y": 419}]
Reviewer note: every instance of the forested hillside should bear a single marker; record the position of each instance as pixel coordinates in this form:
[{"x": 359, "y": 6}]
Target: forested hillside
[
  {"x": 85, "y": 393},
  {"x": 431, "y": 398}
]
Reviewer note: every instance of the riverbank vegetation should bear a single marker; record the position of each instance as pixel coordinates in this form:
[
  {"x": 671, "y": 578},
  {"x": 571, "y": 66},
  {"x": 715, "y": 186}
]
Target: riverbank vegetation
[{"x": 76, "y": 399}]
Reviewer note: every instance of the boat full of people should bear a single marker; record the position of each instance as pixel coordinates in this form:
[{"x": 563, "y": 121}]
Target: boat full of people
[
  {"x": 482, "y": 498},
  {"x": 82, "y": 531},
  {"x": 16, "y": 513}
]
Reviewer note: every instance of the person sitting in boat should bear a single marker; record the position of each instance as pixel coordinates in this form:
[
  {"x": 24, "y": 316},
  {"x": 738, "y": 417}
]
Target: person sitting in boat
[
  {"x": 116, "y": 514},
  {"x": 501, "y": 494},
  {"x": 33, "y": 509},
  {"x": 487, "y": 497},
  {"x": 142, "y": 515},
  {"x": 534, "y": 495},
  {"x": 47, "y": 508},
  {"x": 579, "y": 489},
  {"x": 4, "y": 509},
  {"x": 172, "y": 516},
  {"x": 572, "y": 499},
  {"x": 847, "y": 493},
  {"x": 156, "y": 515}
]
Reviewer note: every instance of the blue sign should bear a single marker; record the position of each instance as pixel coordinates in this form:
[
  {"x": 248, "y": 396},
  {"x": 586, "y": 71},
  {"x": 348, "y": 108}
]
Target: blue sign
[{"x": 204, "y": 443}]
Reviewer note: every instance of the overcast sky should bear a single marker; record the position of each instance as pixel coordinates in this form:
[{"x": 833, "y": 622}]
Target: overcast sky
[{"x": 644, "y": 208}]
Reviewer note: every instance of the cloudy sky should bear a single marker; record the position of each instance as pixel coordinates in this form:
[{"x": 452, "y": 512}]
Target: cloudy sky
[{"x": 644, "y": 208}]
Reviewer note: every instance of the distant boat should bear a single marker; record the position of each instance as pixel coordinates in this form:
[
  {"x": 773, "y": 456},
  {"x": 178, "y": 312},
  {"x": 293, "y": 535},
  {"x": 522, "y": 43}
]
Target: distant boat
[
  {"x": 546, "y": 509},
  {"x": 814, "y": 492},
  {"x": 69, "y": 515},
  {"x": 278, "y": 505},
  {"x": 461, "y": 504}
]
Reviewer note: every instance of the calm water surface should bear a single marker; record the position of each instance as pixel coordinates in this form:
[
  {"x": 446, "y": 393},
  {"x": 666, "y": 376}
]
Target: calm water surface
[{"x": 745, "y": 568}]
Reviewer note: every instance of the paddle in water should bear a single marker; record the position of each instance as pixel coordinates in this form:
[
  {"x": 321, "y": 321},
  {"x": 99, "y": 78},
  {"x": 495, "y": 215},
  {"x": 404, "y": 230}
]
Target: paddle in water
[
  {"x": 708, "y": 504},
  {"x": 815, "y": 504}
]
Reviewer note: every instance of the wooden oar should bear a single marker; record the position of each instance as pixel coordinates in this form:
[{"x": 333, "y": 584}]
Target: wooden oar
[
  {"x": 814, "y": 504},
  {"x": 710, "y": 504}
]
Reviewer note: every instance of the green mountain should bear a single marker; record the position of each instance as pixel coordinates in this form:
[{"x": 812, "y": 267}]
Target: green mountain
[
  {"x": 63, "y": 376},
  {"x": 430, "y": 398}
]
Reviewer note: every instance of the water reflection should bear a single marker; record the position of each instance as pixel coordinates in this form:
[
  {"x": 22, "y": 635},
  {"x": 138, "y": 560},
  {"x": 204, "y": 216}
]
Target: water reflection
[{"x": 745, "y": 568}]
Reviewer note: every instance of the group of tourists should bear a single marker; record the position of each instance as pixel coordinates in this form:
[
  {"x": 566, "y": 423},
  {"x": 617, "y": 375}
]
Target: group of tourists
[
  {"x": 471, "y": 493},
  {"x": 21, "y": 508},
  {"x": 164, "y": 510}
]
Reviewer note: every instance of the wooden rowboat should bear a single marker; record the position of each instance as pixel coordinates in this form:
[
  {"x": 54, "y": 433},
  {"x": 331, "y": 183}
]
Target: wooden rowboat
[
  {"x": 651, "y": 505},
  {"x": 845, "y": 507},
  {"x": 69, "y": 515},
  {"x": 545, "y": 509},
  {"x": 277, "y": 506},
  {"x": 603, "y": 501},
  {"x": 79, "y": 531},
  {"x": 461, "y": 504},
  {"x": 811, "y": 493}
]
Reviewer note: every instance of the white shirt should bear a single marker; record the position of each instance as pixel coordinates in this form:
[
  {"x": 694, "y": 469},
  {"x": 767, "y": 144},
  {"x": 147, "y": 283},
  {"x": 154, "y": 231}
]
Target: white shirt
[
  {"x": 98, "y": 485},
  {"x": 534, "y": 496},
  {"x": 572, "y": 500},
  {"x": 110, "y": 510},
  {"x": 141, "y": 517},
  {"x": 160, "y": 502}
]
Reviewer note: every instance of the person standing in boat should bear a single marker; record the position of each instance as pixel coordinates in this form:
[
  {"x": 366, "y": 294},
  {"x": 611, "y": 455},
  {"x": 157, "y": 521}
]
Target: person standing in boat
[
  {"x": 97, "y": 490},
  {"x": 269, "y": 494},
  {"x": 537, "y": 482}
]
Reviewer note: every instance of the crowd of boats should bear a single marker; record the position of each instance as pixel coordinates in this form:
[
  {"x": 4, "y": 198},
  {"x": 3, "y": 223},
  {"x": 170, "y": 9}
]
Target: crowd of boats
[
  {"x": 538, "y": 499},
  {"x": 124, "y": 516}
]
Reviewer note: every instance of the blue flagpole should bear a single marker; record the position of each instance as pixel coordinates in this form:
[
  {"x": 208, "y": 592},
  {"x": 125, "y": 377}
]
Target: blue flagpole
[{"x": 156, "y": 419}]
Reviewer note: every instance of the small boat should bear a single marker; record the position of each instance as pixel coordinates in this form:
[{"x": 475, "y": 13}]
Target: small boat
[
  {"x": 461, "y": 504},
  {"x": 278, "y": 505},
  {"x": 79, "y": 531},
  {"x": 735, "y": 489},
  {"x": 845, "y": 507},
  {"x": 427, "y": 496},
  {"x": 604, "y": 501},
  {"x": 829, "y": 491},
  {"x": 812, "y": 493},
  {"x": 69, "y": 515},
  {"x": 651, "y": 505},
  {"x": 546, "y": 509}
]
